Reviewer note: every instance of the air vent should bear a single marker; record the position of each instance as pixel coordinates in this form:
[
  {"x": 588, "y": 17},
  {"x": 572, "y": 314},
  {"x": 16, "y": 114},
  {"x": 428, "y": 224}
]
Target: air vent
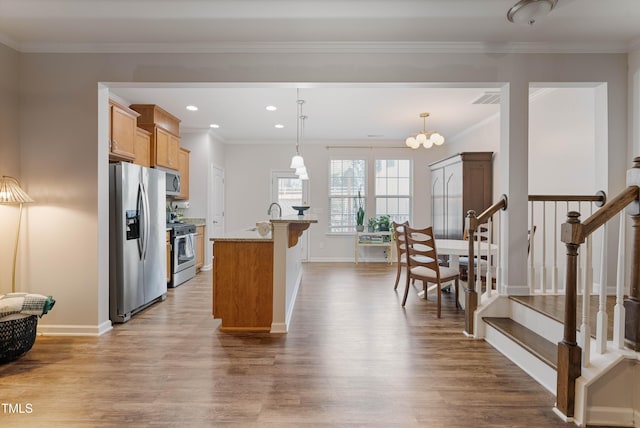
[{"x": 488, "y": 98}]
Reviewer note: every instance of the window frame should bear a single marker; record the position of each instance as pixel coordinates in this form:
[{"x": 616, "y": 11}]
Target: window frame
[
  {"x": 369, "y": 197},
  {"x": 351, "y": 227}
]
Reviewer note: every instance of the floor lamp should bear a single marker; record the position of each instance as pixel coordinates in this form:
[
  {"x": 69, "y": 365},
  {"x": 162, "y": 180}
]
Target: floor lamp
[{"x": 11, "y": 193}]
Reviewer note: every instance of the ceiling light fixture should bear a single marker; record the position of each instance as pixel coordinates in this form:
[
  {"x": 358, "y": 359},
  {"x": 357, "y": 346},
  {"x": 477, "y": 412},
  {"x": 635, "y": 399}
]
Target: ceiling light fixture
[
  {"x": 214, "y": 125},
  {"x": 529, "y": 11},
  {"x": 192, "y": 108},
  {"x": 271, "y": 108},
  {"x": 426, "y": 138},
  {"x": 297, "y": 162},
  {"x": 278, "y": 125}
]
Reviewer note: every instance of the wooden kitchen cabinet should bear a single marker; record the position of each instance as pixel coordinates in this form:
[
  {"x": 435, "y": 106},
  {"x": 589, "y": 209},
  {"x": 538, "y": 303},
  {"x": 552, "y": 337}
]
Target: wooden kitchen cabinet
[
  {"x": 122, "y": 135},
  {"x": 183, "y": 168},
  {"x": 199, "y": 247},
  {"x": 143, "y": 147},
  {"x": 165, "y": 151},
  {"x": 458, "y": 184},
  {"x": 165, "y": 134},
  {"x": 168, "y": 256},
  {"x": 243, "y": 284}
]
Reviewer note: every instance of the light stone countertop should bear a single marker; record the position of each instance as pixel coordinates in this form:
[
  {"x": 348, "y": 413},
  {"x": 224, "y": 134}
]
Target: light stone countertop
[{"x": 251, "y": 233}]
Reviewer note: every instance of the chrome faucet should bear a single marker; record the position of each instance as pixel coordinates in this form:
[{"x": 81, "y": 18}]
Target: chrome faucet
[{"x": 271, "y": 208}]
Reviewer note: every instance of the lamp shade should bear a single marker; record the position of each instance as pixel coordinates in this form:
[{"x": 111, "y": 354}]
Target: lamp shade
[
  {"x": 297, "y": 162},
  {"x": 11, "y": 193},
  {"x": 437, "y": 139}
]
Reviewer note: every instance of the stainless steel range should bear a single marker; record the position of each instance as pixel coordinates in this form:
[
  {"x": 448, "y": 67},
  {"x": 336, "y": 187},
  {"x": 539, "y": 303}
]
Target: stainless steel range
[{"x": 183, "y": 253}]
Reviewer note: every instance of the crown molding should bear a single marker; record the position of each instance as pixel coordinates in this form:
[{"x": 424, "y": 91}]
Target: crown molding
[
  {"x": 322, "y": 47},
  {"x": 8, "y": 41}
]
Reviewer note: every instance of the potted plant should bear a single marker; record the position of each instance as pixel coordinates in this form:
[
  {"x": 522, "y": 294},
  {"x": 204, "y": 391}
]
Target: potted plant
[
  {"x": 360, "y": 214},
  {"x": 372, "y": 224},
  {"x": 383, "y": 223}
]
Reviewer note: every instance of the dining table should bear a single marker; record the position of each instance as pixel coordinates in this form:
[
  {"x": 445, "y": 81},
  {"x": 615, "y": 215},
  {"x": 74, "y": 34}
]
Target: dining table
[{"x": 460, "y": 247}]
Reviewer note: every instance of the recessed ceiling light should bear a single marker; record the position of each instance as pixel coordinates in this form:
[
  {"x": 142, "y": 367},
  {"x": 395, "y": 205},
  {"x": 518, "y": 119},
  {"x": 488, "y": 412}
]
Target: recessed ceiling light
[
  {"x": 279, "y": 125},
  {"x": 214, "y": 125},
  {"x": 192, "y": 108},
  {"x": 271, "y": 108}
]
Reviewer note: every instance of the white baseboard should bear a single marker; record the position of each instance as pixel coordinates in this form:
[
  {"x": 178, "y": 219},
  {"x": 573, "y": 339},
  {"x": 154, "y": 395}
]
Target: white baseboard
[
  {"x": 346, "y": 260},
  {"x": 279, "y": 327},
  {"x": 611, "y": 416},
  {"x": 74, "y": 330}
]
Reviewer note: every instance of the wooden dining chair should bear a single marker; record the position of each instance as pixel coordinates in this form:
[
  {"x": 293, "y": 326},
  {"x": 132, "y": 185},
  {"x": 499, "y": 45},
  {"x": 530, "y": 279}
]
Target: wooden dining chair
[
  {"x": 422, "y": 264},
  {"x": 401, "y": 248}
]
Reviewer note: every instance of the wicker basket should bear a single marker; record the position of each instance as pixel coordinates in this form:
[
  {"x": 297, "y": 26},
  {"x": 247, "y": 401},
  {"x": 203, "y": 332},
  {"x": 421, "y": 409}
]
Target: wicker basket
[{"x": 17, "y": 337}]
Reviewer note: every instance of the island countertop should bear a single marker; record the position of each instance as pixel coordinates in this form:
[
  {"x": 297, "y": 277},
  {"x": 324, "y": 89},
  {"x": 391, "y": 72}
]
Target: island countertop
[
  {"x": 248, "y": 235},
  {"x": 251, "y": 234}
]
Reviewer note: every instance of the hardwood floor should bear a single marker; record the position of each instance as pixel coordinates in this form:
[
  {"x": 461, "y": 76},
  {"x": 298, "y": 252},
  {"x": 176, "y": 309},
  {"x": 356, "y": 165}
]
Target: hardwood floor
[{"x": 353, "y": 357}]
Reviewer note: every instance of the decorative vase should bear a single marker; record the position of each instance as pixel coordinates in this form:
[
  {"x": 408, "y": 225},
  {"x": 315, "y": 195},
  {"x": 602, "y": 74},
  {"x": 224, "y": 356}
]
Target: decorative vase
[{"x": 360, "y": 228}]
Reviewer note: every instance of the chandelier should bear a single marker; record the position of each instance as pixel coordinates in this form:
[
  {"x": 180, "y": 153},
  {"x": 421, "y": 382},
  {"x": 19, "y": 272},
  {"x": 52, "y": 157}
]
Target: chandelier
[
  {"x": 426, "y": 138},
  {"x": 297, "y": 162}
]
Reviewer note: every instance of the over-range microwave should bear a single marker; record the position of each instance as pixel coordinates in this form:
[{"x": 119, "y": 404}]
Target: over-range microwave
[{"x": 173, "y": 182}]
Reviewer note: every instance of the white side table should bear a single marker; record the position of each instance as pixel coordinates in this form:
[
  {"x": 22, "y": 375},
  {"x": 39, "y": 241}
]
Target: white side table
[{"x": 374, "y": 239}]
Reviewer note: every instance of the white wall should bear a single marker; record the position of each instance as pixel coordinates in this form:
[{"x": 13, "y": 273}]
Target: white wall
[
  {"x": 206, "y": 151},
  {"x": 58, "y": 134},
  {"x": 9, "y": 160},
  {"x": 562, "y": 142}
]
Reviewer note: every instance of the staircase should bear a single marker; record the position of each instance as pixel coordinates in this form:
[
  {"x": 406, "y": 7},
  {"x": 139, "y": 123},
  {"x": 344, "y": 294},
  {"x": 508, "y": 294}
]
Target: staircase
[
  {"x": 527, "y": 329},
  {"x": 528, "y": 337}
]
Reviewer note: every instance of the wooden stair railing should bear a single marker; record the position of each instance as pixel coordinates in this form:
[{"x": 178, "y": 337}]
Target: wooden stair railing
[
  {"x": 471, "y": 295},
  {"x": 573, "y": 234}
]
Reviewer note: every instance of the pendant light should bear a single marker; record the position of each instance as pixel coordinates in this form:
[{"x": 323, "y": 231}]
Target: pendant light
[
  {"x": 427, "y": 138},
  {"x": 297, "y": 162}
]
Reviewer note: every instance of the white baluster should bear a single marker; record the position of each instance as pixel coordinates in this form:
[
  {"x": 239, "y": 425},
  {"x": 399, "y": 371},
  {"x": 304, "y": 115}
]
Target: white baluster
[
  {"x": 543, "y": 270},
  {"x": 531, "y": 252},
  {"x": 554, "y": 277},
  {"x": 489, "y": 242},
  {"x": 618, "y": 310},
  {"x": 499, "y": 285},
  {"x": 585, "y": 331},
  {"x": 603, "y": 318}
]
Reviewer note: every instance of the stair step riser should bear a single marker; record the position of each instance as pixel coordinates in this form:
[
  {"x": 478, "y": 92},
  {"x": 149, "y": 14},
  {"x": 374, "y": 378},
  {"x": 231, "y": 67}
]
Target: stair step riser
[
  {"x": 537, "y": 322},
  {"x": 532, "y": 365}
]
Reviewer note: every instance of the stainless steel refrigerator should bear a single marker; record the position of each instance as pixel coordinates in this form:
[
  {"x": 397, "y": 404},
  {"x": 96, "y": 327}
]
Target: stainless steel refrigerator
[{"x": 137, "y": 228}]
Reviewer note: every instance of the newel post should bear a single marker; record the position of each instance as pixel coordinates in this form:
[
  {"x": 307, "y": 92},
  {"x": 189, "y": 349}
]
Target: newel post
[
  {"x": 632, "y": 303},
  {"x": 569, "y": 353},
  {"x": 471, "y": 296}
]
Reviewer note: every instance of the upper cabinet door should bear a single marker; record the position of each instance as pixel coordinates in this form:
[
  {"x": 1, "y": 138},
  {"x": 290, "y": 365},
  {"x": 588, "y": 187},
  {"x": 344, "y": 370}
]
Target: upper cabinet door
[{"x": 123, "y": 132}]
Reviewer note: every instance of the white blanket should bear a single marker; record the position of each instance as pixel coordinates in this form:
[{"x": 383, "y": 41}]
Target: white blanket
[{"x": 24, "y": 303}]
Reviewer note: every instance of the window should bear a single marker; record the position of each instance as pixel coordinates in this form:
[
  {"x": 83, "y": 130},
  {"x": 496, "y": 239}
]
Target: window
[
  {"x": 393, "y": 189},
  {"x": 288, "y": 190},
  {"x": 346, "y": 178}
]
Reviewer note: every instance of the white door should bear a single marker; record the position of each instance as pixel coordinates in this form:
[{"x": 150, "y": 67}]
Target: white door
[
  {"x": 217, "y": 202},
  {"x": 288, "y": 190}
]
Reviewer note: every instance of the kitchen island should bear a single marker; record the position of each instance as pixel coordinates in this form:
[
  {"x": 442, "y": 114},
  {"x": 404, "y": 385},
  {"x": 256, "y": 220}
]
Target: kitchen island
[{"x": 256, "y": 278}]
